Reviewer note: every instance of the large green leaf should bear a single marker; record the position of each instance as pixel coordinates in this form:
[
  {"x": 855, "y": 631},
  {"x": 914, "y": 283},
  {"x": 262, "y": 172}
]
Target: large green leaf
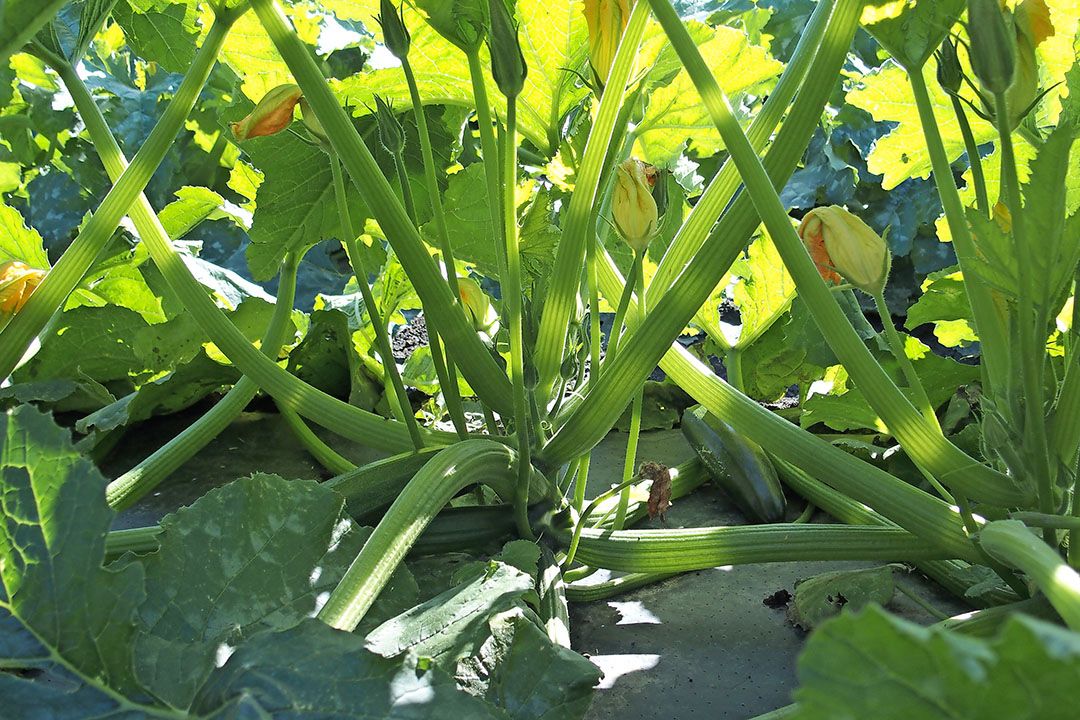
[
  {"x": 167, "y": 36},
  {"x": 911, "y": 30},
  {"x": 20, "y": 20},
  {"x": 257, "y": 553},
  {"x": 874, "y": 665},
  {"x": 676, "y": 115},
  {"x": 312, "y": 672},
  {"x": 60, "y": 611},
  {"x": 19, "y": 242}
]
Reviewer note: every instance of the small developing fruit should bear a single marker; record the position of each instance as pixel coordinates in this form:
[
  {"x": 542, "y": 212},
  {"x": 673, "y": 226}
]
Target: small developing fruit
[
  {"x": 843, "y": 246},
  {"x": 17, "y": 282},
  {"x": 632, "y": 204},
  {"x": 273, "y": 114}
]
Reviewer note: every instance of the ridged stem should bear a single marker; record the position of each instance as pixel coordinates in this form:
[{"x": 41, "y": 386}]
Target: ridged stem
[
  {"x": 378, "y": 324},
  {"x": 451, "y": 394},
  {"x": 433, "y": 487},
  {"x": 473, "y": 357},
  {"x": 125, "y": 490},
  {"x": 978, "y": 178},
  {"x": 922, "y": 440},
  {"x": 62, "y": 279},
  {"x": 563, "y": 293}
]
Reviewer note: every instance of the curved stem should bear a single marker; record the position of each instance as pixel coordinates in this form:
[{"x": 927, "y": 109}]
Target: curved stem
[
  {"x": 440, "y": 480},
  {"x": 382, "y": 338},
  {"x": 474, "y": 360},
  {"x": 125, "y": 490},
  {"x": 563, "y": 294},
  {"x": 62, "y": 279},
  {"x": 325, "y": 455},
  {"x": 1012, "y": 543}
]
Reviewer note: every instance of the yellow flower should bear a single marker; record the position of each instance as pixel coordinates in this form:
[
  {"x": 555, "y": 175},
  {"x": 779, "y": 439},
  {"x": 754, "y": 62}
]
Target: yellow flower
[
  {"x": 17, "y": 282},
  {"x": 478, "y": 307},
  {"x": 606, "y": 20},
  {"x": 842, "y": 245},
  {"x": 632, "y": 205},
  {"x": 272, "y": 115}
]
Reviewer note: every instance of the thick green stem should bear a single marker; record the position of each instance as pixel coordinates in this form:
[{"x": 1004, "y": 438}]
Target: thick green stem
[
  {"x": 1013, "y": 544},
  {"x": 472, "y": 356},
  {"x": 562, "y": 296},
  {"x": 433, "y": 487},
  {"x": 62, "y": 279},
  {"x": 670, "y": 551},
  {"x": 451, "y": 394},
  {"x": 921, "y": 439},
  {"x": 591, "y": 592},
  {"x": 1042, "y": 520},
  {"x": 285, "y": 388},
  {"x": 511, "y": 290},
  {"x": 990, "y": 322},
  {"x": 489, "y": 145},
  {"x": 978, "y": 179},
  {"x": 1031, "y": 328},
  {"x": 125, "y": 490},
  {"x": 823, "y": 25},
  {"x": 382, "y": 337}
]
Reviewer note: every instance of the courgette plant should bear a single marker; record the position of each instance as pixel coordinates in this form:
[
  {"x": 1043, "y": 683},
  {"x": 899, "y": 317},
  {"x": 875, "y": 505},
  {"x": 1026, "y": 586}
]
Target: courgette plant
[{"x": 990, "y": 513}]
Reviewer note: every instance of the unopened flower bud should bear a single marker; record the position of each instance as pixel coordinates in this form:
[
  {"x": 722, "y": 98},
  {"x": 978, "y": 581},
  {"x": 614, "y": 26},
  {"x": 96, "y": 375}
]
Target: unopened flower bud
[
  {"x": 1032, "y": 25},
  {"x": 507, "y": 61},
  {"x": 949, "y": 73},
  {"x": 395, "y": 34},
  {"x": 312, "y": 123},
  {"x": 632, "y": 205},
  {"x": 993, "y": 45},
  {"x": 843, "y": 246},
  {"x": 478, "y": 307},
  {"x": 391, "y": 134},
  {"x": 606, "y": 20},
  {"x": 17, "y": 282},
  {"x": 272, "y": 115}
]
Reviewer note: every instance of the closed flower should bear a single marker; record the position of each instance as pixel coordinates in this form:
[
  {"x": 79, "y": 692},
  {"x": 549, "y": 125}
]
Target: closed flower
[
  {"x": 17, "y": 282},
  {"x": 632, "y": 205},
  {"x": 606, "y": 20},
  {"x": 478, "y": 307},
  {"x": 843, "y": 246},
  {"x": 273, "y": 114}
]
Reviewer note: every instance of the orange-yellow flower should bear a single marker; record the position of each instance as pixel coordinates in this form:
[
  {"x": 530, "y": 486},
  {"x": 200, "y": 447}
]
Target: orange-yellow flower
[
  {"x": 272, "y": 115},
  {"x": 17, "y": 282},
  {"x": 842, "y": 246},
  {"x": 606, "y": 20}
]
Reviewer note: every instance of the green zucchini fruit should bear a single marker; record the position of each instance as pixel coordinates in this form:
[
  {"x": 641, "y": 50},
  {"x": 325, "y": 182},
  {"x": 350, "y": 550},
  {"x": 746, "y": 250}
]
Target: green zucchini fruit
[{"x": 740, "y": 466}]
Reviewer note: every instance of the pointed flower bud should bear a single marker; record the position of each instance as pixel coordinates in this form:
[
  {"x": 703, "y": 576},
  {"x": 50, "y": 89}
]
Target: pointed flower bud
[
  {"x": 993, "y": 45},
  {"x": 949, "y": 73},
  {"x": 17, "y": 282},
  {"x": 312, "y": 123},
  {"x": 507, "y": 62},
  {"x": 1032, "y": 23},
  {"x": 272, "y": 115},
  {"x": 632, "y": 205},
  {"x": 395, "y": 34},
  {"x": 843, "y": 246},
  {"x": 606, "y": 20},
  {"x": 478, "y": 307},
  {"x": 391, "y": 134}
]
